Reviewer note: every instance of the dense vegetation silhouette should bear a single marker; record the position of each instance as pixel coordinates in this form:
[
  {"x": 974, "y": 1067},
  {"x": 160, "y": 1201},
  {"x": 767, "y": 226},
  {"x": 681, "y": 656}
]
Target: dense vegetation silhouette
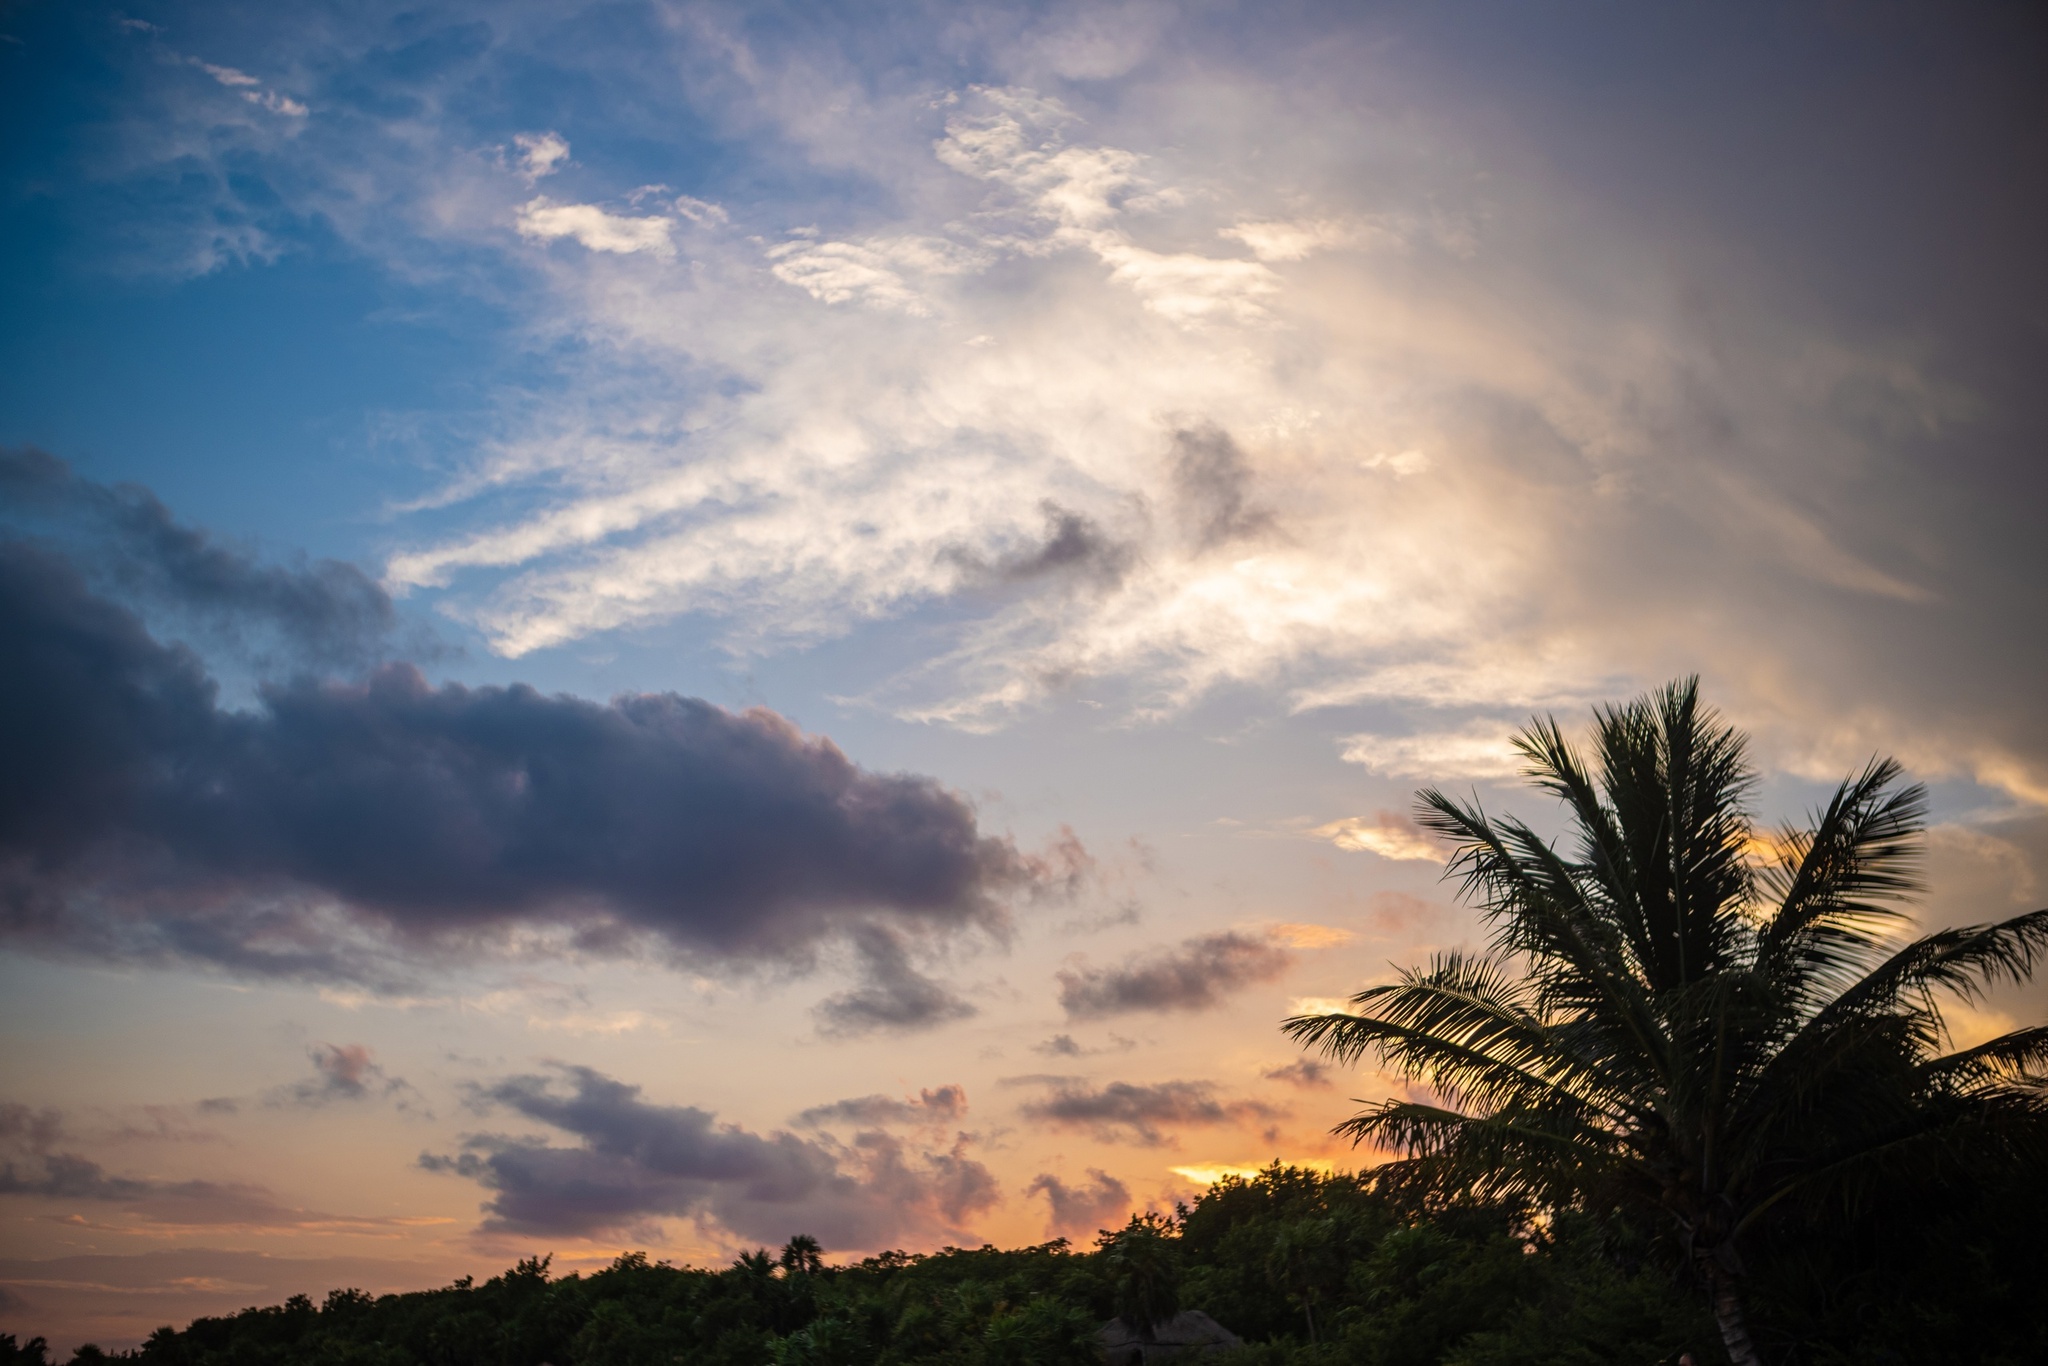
[{"x": 1692, "y": 1101}]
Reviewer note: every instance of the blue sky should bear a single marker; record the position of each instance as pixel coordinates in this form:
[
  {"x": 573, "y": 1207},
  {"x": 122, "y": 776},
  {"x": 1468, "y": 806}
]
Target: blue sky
[{"x": 1148, "y": 441}]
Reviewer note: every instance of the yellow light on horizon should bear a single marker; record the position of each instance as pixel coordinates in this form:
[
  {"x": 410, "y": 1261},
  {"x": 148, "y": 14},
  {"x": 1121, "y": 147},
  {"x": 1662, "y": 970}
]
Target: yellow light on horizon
[{"x": 1209, "y": 1173}]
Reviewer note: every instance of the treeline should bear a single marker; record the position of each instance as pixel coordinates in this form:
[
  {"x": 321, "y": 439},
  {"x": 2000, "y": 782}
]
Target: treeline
[{"x": 1309, "y": 1269}]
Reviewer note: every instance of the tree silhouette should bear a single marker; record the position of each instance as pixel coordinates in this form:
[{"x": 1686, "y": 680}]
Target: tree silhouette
[{"x": 1678, "y": 1017}]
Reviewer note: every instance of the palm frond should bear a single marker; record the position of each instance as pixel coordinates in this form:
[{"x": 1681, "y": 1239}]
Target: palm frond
[
  {"x": 1836, "y": 887},
  {"x": 1525, "y": 1153},
  {"x": 1966, "y": 960},
  {"x": 2019, "y": 1058},
  {"x": 1464, "y": 1028}
]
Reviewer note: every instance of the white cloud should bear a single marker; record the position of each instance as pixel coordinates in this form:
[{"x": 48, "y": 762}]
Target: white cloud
[
  {"x": 1481, "y": 749},
  {"x": 1474, "y": 477},
  {"x": 1296, "y": 241},
  {"x": 542, "y": 154},
  {"x": 1389, "y": 834},
  {"x": 544, "y": 220},
  {"x": 227, "y": 75},
  {"x": 881, "y": 272}
]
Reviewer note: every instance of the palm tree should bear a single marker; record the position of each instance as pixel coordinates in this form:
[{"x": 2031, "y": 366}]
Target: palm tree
[{"x": 1677, "y": 1017}]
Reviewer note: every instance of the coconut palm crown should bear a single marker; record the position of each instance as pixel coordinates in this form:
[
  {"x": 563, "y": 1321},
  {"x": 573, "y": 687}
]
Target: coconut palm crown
[{"x": 1677, "y": 1016}]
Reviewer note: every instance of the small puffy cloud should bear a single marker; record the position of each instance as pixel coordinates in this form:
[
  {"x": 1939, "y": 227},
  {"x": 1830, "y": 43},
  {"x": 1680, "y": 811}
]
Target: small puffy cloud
[
  {"x": 1127, "y": 1112},
  {"x": 1099, "y": 1202},
  {"x": 1197, "y": 975},
  {"x": 637, "y": 1162},
  {"x": 934, "y": 1105},
  {"x": 344, "y": 1072},
  {"x": 541, "y": 154},
  {"x": 1306, "y": 1073},
  {"x": 1389, "y": 834},
  {"x": 1064, "y": 1046},
  {"x": 543, "y": 220}
]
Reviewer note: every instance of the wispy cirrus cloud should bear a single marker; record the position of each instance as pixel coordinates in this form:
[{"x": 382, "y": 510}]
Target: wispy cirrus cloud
[{"x": 1497, "y": 444}]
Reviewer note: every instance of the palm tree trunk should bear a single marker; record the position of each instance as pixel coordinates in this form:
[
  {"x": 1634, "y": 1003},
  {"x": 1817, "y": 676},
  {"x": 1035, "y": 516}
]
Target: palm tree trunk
[{"x": 1728, "y": 1315}]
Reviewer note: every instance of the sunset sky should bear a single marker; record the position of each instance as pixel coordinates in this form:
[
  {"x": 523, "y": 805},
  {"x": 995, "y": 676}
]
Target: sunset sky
[{"x": 661, "y": 625}]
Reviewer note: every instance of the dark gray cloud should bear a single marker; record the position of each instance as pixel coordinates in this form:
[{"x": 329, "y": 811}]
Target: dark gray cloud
[
  {"x": 934, "y": 1105},
  {"x": 1099, "y": 1202},
  {"x": 138, "y": 818},
  {"x": 892, "y": 995},
  {"x": 1126, "y": 1111},
  {"x": 326, "y": 613},
  {"x": 1213, "y": 485},
  {"x": 1194, "y": 976},
  {"x": 1074, "y": 544},
  {"x": 638, "y": 1162},
  {"x": 1306, "y": 1073}
]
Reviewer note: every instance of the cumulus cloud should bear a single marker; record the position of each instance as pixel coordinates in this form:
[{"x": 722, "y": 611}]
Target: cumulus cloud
[
  {"x": 1127, "y": 1112},
  {"x": 637, "y": 1162},
  {"x": 1099, "y": 1202},
  {"x": 1195, "y": 976},
  {"x": 139, "y": 819}
]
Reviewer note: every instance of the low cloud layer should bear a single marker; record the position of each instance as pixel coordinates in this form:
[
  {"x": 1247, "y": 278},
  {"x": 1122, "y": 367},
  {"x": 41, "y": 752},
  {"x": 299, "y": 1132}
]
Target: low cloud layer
[
  {"x": 638, "y": 1162},
  {"x": 1126, "y": 1112},
  {"x": 139, "y": 819},
  {"x": 1197, "y": 975}
]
